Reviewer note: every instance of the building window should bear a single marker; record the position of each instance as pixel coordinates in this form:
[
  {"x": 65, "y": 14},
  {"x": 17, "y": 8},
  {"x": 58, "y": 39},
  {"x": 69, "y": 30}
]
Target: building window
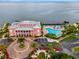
[
  {"x": 24, "y": 31},
  {"x": 21, "y": 31},
  {"x": 16, "y": 30},
  {"x": 28, "y": 30}
]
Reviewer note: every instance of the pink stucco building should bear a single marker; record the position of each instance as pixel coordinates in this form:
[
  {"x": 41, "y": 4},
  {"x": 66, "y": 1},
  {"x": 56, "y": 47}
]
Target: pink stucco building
[{"x": 25, "y": 28}]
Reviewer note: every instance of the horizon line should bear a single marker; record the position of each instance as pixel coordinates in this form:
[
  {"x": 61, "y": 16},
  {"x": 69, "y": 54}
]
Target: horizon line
[{"x": 39, "y": 1}]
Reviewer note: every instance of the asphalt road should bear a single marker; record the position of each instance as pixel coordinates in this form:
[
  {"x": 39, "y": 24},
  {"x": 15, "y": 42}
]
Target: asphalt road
[{"x": 67, "y": 47}]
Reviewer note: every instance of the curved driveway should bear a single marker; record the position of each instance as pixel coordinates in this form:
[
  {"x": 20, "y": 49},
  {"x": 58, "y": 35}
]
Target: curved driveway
[{"x": 19, "y": 53}]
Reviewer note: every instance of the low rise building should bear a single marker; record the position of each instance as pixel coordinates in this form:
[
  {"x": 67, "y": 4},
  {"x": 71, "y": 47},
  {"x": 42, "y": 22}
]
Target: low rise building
[{"x": 53, "y": 29}]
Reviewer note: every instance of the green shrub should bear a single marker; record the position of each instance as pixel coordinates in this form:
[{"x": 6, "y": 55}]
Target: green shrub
[
  {"x": 61, "y": 56},
  {"x": 41, "y": 55},
  {"x": 69, "y": 38},
  {"x": 53, "y": 45},
  {"x": 52, "y": 36},
  {"x": 21, "y": 42},
  {"x": 75, "y": 49}
]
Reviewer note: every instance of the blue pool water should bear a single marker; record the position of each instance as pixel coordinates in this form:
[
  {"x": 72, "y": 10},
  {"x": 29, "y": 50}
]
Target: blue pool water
[{"x": 58, "y": 33}]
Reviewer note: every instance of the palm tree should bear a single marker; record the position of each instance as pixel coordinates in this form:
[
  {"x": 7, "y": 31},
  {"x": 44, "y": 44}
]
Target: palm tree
[
  {"x": 21, "y": 39},
  {"x": 34, "y": 45},
  {"x": 5, "y": 27},
  {"x": 66, "y": 22},
  {"x": 2, "y": 47},
  {"x": 70, "y": 29},
  {"x": 78, "y": 27},
  {"x": 41, "y": 55},
  {"x": 4, "y": 30},
  {"x": 21, "y": 42}
]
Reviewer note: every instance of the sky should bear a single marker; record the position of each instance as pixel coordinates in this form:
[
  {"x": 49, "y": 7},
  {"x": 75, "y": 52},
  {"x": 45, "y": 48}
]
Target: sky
[
  {"x": 39, "y": 0},
  {"x": 36, "y": 0}
]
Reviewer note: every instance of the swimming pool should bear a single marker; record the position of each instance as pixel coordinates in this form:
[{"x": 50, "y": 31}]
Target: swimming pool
[{"x": 58, "y": 33}]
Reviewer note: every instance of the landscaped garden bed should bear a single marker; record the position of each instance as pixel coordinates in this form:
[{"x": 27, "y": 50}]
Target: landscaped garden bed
[
  {"x": 75, "y": 49},
  {"x": 69, "y": 38},
  {"x": 52, "y": 36}
]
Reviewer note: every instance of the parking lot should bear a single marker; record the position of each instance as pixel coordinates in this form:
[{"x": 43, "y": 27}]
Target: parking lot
[
  {"x": 5, "y": 41},
  {"x": 67, "y": 47}
]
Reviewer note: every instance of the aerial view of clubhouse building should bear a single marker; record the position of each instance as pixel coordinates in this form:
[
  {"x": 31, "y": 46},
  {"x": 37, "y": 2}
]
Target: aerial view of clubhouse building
[
  {"x": 39, "y": 29},
  {"x": 21, "y": 46},
  {"x": 25, "y": 28},
  {"x": 33, "y": 28}
]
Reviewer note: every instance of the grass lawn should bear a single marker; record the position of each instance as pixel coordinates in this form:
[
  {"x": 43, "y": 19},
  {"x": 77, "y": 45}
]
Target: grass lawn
[
  {"x": 69, "y": 37},
  {"x": 52, "y": 36},
  {"x": 75, "y": 49},
  {"x": 1, "y": 34},
  {"x": 53, "y": 44}
]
